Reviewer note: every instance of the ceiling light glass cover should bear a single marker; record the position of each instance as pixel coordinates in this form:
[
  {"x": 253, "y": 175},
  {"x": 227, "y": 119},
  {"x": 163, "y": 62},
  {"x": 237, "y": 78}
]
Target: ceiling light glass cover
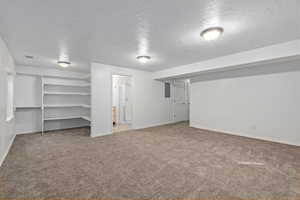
[
  {"x": 143, "y": 59},
  {"x": 212, "y": 33},
  {"x": 63, "y": 64}
]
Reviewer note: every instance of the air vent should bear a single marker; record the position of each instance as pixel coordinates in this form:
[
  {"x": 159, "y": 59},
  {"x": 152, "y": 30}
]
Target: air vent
[{"x": 29, "y": 57}]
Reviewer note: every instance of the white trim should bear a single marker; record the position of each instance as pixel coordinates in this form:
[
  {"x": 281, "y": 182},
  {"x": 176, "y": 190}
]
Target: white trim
[
  {"x": 7, "y": 150},
  {"x": 10, "y": 109},
  {"x": 10, "y": 118},
  {"x": 37, "y": 131},
  {"x": 245, "y": 135},
  {"x": 13, "y": 73},
  {"x": 137, "y": 128},
  {"x": 115, "y": 73},
  {"x": 154, "y": 125},
  {"x": 84, "y": 77},
  {"x": 100, "y": 134},
  {"x": 29, "y": 132}
]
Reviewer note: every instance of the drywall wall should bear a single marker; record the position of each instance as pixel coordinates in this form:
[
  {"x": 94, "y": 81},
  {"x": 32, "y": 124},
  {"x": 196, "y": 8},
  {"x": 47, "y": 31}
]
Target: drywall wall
[
  {"x": 49, "y": 71},
  {"x": 101, "y": 92},
  {"x": 149, "y": 105},
  {"x": 260, "y": 102},
  {"x": 7, "y": 132},
  {"x": 255, "y": 57}
]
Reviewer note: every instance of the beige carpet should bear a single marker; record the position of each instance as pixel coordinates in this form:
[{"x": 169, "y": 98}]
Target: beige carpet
[{"x": 165, "y": 162}]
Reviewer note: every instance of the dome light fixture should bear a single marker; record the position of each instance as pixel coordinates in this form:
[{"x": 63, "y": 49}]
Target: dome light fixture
[
  {"x": 143, "y": 59},
  {"x": 212, "y": 33},
  {"x": 64, "y": 64}
]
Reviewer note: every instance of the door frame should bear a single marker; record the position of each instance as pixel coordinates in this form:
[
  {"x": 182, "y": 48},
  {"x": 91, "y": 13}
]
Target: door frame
[{"x": 131, "y": 93}]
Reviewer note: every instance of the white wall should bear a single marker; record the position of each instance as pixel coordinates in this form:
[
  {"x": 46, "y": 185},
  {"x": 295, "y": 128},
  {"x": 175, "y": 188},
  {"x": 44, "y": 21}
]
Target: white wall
[
  {"x": 269, "y": 54},
  {"x": 261, "y": 102},
  {"x": 7, "y": 132},
  {"x": 101, "y": 91},
  {"x": 150, "y": 107},
  {"x": 49, "y": 71}
]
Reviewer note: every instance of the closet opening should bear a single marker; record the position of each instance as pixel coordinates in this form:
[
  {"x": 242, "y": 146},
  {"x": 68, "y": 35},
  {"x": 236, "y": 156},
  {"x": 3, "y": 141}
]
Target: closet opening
[{"x": 121, "y": 103}]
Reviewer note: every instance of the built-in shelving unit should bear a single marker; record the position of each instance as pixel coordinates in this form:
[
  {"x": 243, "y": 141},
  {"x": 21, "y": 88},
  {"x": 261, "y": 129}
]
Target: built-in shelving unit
[
  {"x": 86, "y": 118},
  {"x": 65, "y": 99},
  {"x": 59, "y": 101}
]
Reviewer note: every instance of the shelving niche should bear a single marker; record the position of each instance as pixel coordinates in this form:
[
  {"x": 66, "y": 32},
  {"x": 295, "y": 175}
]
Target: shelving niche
[{"x": 54, "y": 102}]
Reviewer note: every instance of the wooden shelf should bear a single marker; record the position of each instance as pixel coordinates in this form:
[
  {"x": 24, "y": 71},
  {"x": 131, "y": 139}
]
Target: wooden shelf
[
  {"x": 67, "y": 93},
  {"x": 86, "y": 106},
  {"x": 66, "y": 106},
  {"x": 28, "y": 107},
  {"x": 86, "y": 118},
  {"x": 67, "y": 118},
  {"x": 86, "y": 77},
  {"x": 68, "y": 85}
]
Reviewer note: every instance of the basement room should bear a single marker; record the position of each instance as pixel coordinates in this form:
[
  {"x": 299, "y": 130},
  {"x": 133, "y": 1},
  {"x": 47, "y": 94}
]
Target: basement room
[{"x": 169, "y": 99}]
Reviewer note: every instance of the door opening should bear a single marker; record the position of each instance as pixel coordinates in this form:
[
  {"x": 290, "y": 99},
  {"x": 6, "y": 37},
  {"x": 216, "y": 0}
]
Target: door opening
[{"x": 121, "y": 103}]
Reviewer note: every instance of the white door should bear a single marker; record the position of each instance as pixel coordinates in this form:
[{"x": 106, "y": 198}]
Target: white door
[{"x": 180, "y": 101}]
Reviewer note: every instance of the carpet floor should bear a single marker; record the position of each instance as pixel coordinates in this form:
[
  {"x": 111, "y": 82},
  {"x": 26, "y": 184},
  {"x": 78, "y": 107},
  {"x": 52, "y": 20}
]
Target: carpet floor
[{"x": 166, "y": 162}]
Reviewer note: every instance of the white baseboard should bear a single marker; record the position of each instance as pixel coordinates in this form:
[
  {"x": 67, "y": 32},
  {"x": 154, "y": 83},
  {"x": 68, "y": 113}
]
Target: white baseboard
[
  {"x": 154, "y": 125},
  {"x": 137, "y": 128},
  {"x": 53, "y": 129},
  {"x": 246, "y": 135},
  {"x": 29, "y": 132},
  {"x": 7, "y": 150},
  {"x": 100, "y": 134}
]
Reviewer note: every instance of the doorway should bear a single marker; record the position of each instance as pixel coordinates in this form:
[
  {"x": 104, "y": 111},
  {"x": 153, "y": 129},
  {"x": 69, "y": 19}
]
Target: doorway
[
  {"x": 181, "y": 100},
  {"x": 121, "y": 103}
]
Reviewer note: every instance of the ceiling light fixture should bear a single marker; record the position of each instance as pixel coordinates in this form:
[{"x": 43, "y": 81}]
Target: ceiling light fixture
[
  {"x": 212, "y": 33},
  {"x": 63, "y": 64},
  {"x": 143, "y": 59}
]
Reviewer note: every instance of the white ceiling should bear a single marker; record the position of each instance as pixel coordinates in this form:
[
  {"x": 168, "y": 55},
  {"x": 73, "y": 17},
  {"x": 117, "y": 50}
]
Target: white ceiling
[{"x": 116, "y": 31}]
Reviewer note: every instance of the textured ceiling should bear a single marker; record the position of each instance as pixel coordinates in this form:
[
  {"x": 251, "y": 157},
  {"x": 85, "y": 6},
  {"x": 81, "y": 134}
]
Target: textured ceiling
[{"x": 116, "y": 31}]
